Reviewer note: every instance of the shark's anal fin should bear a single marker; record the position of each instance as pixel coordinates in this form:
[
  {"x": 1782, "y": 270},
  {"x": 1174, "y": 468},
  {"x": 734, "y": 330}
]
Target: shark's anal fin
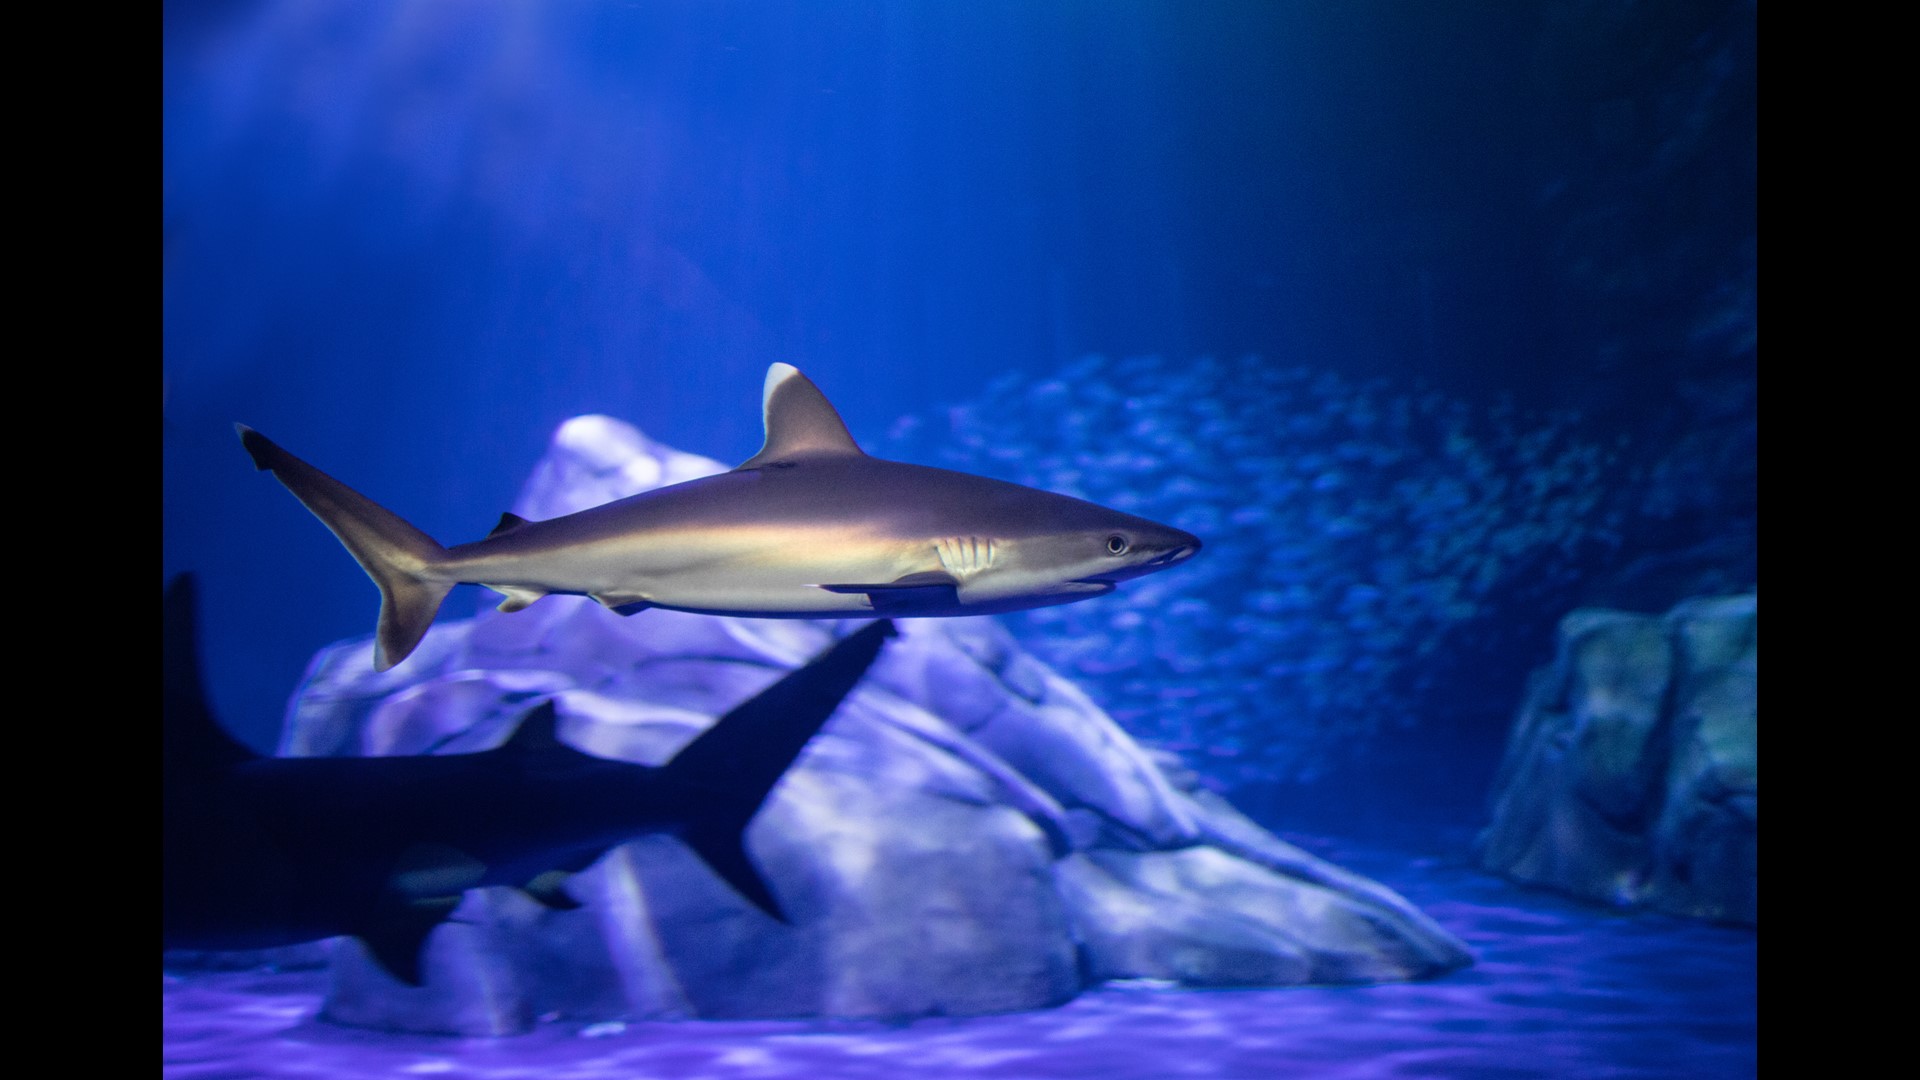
[
  {"x": 550, "y": 889},
  {"x": 929, "y": 589},
  {"x": 397, "y": 939},
  {"x": 622, "y": 603}
]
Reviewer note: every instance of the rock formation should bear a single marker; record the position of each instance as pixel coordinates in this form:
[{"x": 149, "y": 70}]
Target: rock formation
[
  {"x": 969, "y": 834},
  {"x": 1631, "y": 774}
]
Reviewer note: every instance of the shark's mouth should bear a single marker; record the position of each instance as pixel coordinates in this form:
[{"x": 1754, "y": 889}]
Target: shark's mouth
[{"x": 1171, "y": 555}]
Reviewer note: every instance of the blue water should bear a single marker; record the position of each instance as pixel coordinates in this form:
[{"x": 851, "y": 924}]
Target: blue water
[{"x": 1560, "y": 990}]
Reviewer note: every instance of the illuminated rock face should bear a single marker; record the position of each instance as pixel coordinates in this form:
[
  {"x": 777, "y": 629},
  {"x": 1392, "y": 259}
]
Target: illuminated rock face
[
  {"x": 1631, "y": 776},
  {"x": 968, "y": 834}
]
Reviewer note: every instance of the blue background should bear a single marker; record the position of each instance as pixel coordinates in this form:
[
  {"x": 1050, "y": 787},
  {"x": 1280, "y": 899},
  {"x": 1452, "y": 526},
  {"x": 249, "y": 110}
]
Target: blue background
[{"x": 406, "y": 240}]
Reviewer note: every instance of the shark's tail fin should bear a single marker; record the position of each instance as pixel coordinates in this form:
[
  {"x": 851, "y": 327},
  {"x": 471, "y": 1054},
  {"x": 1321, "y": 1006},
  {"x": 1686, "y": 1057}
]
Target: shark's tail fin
[
  {"x": 728, "y": 770},
  {"x": 191, "y": 737},
  {"x": 398, "y": 557}
]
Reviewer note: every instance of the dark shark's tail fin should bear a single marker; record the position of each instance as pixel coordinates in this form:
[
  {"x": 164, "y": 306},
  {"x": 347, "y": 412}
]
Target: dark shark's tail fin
[
  {"x": 398, "y": 557},
  {"x": 729, "y": 769},
  {"x": 191, "y": 737}
]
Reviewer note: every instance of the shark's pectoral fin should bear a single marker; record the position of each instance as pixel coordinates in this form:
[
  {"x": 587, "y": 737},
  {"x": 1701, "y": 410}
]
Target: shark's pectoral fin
[
  {"x": 397, "y": 939},
  {"x": 722, "y": 848},
  {"x": 430, "y": 871},
  {"x": 929, "y": 590},
  {"x": 622, "y": 603},
  {"x": 550, "y": 889}
]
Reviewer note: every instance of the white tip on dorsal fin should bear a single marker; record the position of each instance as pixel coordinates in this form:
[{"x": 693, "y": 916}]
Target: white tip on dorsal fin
[{"x": 801, "y": 423}]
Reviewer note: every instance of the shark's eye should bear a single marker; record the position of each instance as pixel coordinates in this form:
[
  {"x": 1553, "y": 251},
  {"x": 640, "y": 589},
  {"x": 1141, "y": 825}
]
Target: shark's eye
[{"x": 1117, "y": 545}]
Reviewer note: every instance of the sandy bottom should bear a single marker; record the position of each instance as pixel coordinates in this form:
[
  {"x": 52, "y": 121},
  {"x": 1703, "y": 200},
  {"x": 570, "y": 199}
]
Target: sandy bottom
[{"x": 1560, "y": 990}]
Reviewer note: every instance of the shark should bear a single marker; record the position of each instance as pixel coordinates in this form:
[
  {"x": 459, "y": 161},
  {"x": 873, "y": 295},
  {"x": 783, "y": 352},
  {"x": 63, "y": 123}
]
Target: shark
[
  {"x": 267, "y": 851},
  {"x": 810, "y": 527}
]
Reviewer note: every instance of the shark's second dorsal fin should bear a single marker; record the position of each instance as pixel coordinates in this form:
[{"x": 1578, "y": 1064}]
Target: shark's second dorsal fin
[
  {"x": 509, "y": 521},
  {"x": 800, "y": 422}
]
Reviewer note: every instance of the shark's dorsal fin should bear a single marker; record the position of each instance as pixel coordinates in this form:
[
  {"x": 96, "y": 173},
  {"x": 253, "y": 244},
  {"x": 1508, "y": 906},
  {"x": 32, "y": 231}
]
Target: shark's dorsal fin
[
  {"x": 538, "y": 733},
  {"x": 800, "y": 422},
  {"x": 509, "y": 521}
]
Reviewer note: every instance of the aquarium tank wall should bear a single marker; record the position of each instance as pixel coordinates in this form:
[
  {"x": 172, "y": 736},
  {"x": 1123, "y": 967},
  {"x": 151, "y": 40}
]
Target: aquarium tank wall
[{"x": 1435, "y": 322}]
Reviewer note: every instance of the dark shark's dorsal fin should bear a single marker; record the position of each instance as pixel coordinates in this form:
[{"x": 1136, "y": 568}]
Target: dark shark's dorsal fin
[
  {"x": 509, "y": 521},
  {"x": 538, "y": 734},
  {"x": 191, "y": 735},
  {"x": 800, "y": 422}
]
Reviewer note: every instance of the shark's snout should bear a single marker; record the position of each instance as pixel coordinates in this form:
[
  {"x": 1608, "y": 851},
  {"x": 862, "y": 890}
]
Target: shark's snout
[
  {"x": 1177, "y": 554},
  {"x": 1182, "y": 548}
]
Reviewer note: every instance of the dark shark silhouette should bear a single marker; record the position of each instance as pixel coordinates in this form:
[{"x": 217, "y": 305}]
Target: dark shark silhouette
[{"x": 262, "y": 851}]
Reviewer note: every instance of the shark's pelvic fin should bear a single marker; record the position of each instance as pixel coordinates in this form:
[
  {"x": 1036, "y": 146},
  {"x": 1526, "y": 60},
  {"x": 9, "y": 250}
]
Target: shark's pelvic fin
[
  {"x": 517, "y": 598},
  {"x": 800, "y": 422},
  {"x": 399, "y": 937},
  {"x": 398, "y": 557},
  {"x": 550, "y": 890}
]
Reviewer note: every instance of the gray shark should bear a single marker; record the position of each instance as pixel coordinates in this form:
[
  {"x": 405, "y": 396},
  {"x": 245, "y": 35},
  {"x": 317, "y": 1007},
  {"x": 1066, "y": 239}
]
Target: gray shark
[
  {"x": 810, "y": 527},
  {"x": 266, "y": 851}
]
